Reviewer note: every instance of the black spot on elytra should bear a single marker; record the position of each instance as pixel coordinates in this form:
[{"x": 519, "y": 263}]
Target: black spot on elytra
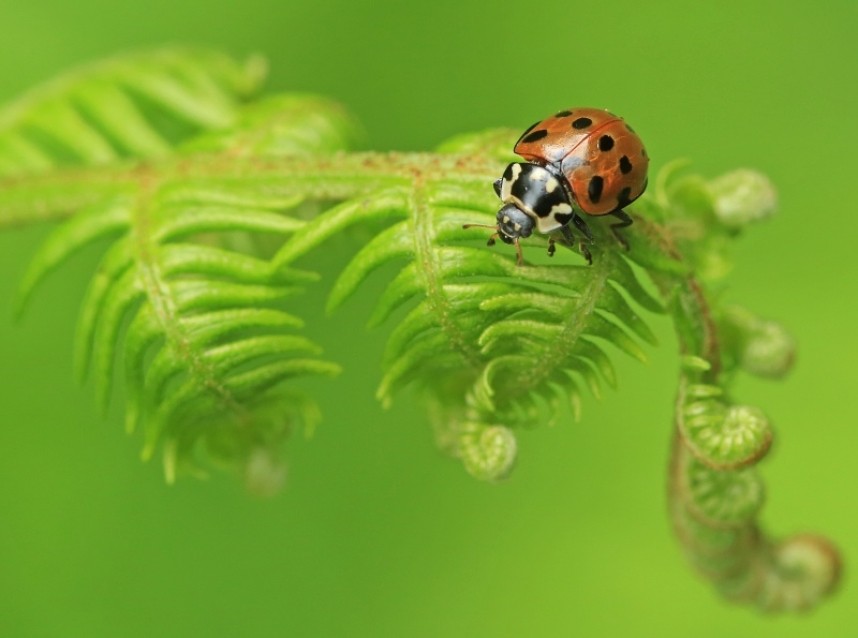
[
  {"x": 528, "y": 130},
  {"x": 563, "y": 114},
  {"x": 594, "y": 188},
  {"x": 581, "y": 123},
  {"x": 625, "y": 165},
  {"x": 623, "y": 199},
  {"x": 535, "y": 136},
  {"x": 606, "y": 143}
]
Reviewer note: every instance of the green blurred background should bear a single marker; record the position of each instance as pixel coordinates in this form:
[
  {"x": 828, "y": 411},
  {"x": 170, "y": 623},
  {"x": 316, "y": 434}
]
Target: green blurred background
[{"x": 377, "y": 534}]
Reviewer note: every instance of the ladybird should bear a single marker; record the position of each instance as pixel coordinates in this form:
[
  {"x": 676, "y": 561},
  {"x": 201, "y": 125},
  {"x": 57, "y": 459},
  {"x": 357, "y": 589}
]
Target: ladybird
[{"x": 581, "y": 161}]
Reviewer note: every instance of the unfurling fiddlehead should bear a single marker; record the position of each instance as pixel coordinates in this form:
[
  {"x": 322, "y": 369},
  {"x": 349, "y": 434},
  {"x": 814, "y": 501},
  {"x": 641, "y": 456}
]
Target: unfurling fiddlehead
[
  {"x": 715, "y": 494},
  {"x": 212, "y": 197}
]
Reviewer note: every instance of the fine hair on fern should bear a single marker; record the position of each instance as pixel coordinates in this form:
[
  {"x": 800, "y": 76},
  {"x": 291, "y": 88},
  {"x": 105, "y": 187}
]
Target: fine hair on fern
[{"x": 210, "y": 196}]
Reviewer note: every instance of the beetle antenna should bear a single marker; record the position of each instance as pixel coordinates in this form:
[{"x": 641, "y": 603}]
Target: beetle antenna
[
  {"x": 495, "y": 227},
  {"x": 520, "y": 260},
  {"x": 491, "y": 241}
]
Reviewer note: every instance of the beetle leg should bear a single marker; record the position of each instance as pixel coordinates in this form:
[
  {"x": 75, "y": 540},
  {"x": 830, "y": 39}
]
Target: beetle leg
[
  {"x": 520, "y": 260},
  {"x": 581, "y": 225},
  {"x": 569, "y": 238},
  {"x": 625, "y": 220},
  {"x": 551, "y": 247}
]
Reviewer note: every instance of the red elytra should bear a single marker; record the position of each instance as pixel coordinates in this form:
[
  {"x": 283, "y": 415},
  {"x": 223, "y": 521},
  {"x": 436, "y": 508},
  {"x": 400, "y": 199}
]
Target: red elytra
[{"x": 601, "y": 157}]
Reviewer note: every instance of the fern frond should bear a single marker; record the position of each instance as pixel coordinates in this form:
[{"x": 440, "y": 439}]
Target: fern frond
[
  {"x": 181, "y": 292},
  {"x": 134, "y": 106},
  {"x": 98, "y": 221},
  {"x": 291, "y": 124}
]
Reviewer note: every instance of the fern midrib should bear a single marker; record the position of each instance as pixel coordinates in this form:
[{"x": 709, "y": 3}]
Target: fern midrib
[
  {"x": 688, "y": 293},
  {"x": 425, "y": 255},
  {"x": 574, "y": 326},
  {"x": 58, "y": 194},
  {"x": 159, "y": 295}
]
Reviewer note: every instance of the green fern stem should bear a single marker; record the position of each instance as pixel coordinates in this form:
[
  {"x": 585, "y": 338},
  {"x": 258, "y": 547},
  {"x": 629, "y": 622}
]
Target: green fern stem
[
  {"x": 58, "y": 194},
  {"x": 715, "y": 501}
]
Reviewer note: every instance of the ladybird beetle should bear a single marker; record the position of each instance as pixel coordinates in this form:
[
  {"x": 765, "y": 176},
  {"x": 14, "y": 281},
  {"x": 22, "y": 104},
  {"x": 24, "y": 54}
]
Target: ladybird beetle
[{"x": 579, "y": 161}]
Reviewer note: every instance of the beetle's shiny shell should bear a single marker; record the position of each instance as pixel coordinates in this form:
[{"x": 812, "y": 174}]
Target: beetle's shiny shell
[{"x": 601, "y": 157}]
